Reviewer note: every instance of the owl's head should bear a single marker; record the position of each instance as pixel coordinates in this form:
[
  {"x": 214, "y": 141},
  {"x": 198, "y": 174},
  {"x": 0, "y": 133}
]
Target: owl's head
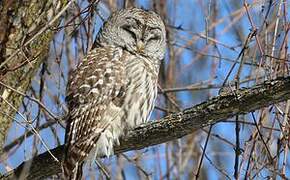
[{"x": 136, "y": 30}]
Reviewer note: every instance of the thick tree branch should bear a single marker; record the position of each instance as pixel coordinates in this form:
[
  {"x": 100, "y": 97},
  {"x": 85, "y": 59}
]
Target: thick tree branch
[{"x": 178, "y": 124}]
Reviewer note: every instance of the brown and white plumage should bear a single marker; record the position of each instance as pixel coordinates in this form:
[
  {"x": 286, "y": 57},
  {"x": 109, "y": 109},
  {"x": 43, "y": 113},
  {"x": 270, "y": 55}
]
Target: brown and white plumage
[{"x": 114, "y": 88}]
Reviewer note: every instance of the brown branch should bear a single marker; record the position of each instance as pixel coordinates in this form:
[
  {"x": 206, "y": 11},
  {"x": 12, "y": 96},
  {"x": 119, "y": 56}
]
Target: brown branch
[{"x": 178, "y": 124}]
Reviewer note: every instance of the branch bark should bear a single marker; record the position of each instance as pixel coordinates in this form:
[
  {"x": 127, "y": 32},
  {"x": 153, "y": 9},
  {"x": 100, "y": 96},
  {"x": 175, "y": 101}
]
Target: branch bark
[{"x": 176, "y": 125}]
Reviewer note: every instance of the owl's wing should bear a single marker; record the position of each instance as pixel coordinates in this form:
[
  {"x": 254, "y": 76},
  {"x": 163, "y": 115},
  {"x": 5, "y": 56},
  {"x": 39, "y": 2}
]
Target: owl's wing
[{"x": 97, "y": 81}]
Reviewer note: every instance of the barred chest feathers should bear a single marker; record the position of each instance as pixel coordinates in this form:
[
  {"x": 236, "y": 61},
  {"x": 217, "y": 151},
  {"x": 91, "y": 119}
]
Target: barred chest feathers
[
  {"x": 141, "y": 90},
  {"x": 134, "y": 108}
]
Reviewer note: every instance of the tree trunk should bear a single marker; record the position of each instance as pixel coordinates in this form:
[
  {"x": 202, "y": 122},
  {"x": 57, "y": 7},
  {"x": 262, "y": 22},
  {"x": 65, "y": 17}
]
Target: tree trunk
[{"x": 24, "y": 46}]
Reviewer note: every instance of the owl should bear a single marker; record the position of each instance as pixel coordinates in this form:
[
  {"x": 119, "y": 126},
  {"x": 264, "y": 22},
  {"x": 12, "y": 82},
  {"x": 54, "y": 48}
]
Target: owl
[{"x": 114, "y": 88}]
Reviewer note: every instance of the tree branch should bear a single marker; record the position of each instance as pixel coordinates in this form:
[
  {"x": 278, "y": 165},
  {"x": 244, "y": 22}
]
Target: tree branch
[{"x": 176, "y": 125}]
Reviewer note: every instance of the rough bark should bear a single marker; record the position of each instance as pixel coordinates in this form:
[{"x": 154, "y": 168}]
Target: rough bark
[
  {"x": 20, "y": 21},
  {"x": 176, "y": 125}
]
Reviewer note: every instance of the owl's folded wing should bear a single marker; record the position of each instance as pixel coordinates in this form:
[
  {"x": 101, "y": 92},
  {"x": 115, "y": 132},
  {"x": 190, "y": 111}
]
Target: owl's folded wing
[{"x": 98, "y": 80}]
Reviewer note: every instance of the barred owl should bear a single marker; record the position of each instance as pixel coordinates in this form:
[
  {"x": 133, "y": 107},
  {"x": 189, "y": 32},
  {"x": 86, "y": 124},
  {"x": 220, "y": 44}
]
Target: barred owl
[{"x": 114, "y": 88}]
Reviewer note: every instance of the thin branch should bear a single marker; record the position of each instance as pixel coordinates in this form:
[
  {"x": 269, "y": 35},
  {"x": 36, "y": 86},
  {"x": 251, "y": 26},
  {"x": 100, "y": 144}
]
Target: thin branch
[
  {"x": 34, "y": 100},
  {"x": 203, "y": 153}
]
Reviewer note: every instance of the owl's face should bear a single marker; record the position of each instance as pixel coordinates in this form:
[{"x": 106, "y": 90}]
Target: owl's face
[{"x": 136, "y": 30}]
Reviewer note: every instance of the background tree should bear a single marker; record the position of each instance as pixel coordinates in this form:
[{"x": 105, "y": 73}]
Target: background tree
[{"x": 214, "y": 47}]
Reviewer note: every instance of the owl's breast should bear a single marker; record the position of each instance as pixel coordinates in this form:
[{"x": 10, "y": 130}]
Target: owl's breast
[{"x": 141, "y": 91}]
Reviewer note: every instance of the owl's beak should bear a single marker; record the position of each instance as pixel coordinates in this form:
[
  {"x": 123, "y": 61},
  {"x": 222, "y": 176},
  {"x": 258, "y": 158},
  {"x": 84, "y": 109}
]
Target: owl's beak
[{"x": 140, "y": 46}]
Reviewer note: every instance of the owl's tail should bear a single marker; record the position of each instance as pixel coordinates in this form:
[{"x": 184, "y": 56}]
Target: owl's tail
[{"x": 71, "y": 169}]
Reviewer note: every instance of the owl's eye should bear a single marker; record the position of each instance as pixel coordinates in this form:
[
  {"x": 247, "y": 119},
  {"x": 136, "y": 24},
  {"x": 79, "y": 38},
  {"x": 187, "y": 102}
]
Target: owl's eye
[
  {"x": 154, "y": 34},
  {"x": 134, "y": 23},
  {"x": 154, "y": 38},
  {"x": 128, "y": 29}
]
